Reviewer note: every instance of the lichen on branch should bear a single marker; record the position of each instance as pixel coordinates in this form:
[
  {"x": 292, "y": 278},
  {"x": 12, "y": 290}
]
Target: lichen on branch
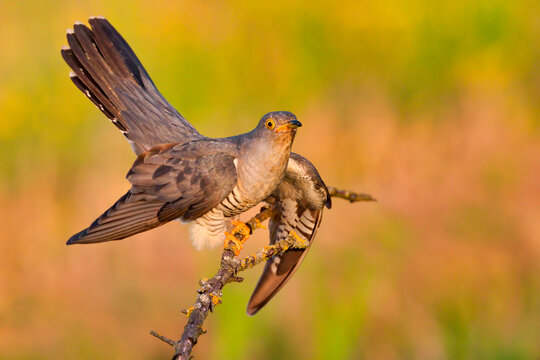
[{"x": 210, "y": 292}]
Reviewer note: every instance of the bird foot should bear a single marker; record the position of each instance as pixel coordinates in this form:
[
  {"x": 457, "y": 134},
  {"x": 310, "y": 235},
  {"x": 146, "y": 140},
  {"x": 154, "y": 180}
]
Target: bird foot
[
  {"x": 239, "y": 228},
  {"x": 237, "y": 244},
  {"x": 259, "y": 225}
]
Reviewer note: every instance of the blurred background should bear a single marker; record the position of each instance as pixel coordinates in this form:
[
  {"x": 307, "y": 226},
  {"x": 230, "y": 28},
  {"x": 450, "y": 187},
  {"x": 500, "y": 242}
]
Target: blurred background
[{"x": 431, "y": 107}]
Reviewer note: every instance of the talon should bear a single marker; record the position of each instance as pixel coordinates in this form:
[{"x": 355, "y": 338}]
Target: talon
[
  {"x": 237, "y": 244},
  {"x": 259, "y": 225},
  {"x": 302, "y": 243},
  {"x": 239, "y": 228}
]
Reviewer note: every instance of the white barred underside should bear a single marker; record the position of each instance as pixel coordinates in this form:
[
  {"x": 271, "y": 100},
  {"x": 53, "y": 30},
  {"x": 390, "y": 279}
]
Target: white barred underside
[
  {"x": 303, "y": 226},
  {"x": 235, "y": 204},
  {"x": 208, "y": 231},
  {"x": 306, "y": 225},
  {"x": 289, "y": 221}
]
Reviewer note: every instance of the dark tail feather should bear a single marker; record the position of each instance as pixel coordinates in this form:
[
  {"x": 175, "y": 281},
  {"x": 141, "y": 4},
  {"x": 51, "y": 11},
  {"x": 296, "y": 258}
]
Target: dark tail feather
[
  {"x": 107, "y": 71},
  {"x": 117, "y": 52},
  {"x": 98, "y": 98},
  {"x": 91, "y": 74}
]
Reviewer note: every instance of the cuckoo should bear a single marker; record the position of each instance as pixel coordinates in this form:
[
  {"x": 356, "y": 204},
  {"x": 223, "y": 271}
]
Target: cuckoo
[{"x": 181, "y": 174}]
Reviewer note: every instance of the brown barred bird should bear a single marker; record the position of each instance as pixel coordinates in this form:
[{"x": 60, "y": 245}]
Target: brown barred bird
[{"x": 181, "y": 174}]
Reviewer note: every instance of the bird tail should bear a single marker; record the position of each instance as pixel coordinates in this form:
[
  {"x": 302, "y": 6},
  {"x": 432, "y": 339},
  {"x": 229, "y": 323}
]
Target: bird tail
[
  {"x": 101, "y": 60},
  {"x": 107, "y": 71}
]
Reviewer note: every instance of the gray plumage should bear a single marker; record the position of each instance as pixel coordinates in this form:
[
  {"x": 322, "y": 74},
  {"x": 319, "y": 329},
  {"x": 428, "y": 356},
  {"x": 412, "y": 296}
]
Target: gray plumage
[
  {"x": 181, "y": 174},
  {"x": 205, "y": 181}
]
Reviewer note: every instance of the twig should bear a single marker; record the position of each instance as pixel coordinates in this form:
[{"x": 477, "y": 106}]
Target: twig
[
  {"x": 350, "y": 195},
  {"x": 210, "y": 293},
  {"x": 162, "y": 338}
]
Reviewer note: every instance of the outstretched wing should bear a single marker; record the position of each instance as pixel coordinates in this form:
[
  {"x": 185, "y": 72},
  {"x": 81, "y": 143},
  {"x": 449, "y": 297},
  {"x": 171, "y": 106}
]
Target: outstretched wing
[
  {"x": 299, "y": 201},
  {"x": 168, "y": 182},
  {"x": 109, "y": 73}
]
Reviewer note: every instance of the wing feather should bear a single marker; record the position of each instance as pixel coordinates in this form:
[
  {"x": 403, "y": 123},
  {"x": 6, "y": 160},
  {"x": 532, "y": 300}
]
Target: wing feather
[
  {"x": 299, "y": 201},
  {"x": 128, "y": 216},
  {"x": 159, "y": 194},
  {"x": 278, "y": 270}
]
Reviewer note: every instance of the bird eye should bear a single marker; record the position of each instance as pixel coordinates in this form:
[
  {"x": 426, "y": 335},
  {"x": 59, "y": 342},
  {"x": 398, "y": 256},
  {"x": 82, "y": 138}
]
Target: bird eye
[{"x": 270, "y": 124}]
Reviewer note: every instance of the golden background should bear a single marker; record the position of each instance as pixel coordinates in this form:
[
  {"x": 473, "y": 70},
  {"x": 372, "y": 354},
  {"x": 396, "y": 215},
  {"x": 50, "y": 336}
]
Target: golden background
[{"x": 432, "y": 107}]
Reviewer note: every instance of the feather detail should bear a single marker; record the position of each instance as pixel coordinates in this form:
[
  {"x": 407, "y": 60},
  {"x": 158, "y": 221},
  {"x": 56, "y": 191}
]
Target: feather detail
[
  {"x": 107, "y": 71},
  {"x": 126, "y": 217},
  {"x": 299, "y": 201}
]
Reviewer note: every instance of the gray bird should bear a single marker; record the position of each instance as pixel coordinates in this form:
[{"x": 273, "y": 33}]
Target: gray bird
[
  {"x": 178, "y": 174},
  {"x": 181, "y": 174}
]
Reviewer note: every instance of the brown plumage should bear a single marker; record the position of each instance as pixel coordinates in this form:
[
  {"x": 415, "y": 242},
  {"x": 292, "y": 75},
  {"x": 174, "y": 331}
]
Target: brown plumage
[
  {"x": 167, "y": 182},
  {"x": 181, "y": 174}
]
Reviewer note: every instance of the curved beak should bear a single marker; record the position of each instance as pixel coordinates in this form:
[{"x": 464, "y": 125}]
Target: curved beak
[{"x": 293, "y": 124}]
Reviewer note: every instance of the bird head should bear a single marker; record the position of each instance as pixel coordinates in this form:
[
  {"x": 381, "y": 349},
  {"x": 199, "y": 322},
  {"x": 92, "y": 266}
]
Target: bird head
[{"x": 280, "y": 124}]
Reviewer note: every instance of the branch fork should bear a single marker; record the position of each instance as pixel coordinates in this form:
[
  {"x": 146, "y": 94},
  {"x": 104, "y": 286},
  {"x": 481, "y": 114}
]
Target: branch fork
[{"x": 210, "y": 293}]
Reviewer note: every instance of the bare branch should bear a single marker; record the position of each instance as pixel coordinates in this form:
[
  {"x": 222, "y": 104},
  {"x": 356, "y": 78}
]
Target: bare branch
[
  {"x": 210, "y": 293},
  {"x": 350, "y": 195},
  {"x": 162, "y": 338}
]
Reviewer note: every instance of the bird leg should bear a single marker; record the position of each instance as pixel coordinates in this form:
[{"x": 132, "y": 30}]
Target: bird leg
[
  {"x": 258, "y": 224},
  {"x": 237, "y": 244},
  {"x": 239, "y": 228}
]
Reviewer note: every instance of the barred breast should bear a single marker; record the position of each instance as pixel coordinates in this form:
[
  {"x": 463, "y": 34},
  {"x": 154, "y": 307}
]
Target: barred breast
[
  {"x": 235, "y": 203},
  {"x": 251, "y": 189},
  {"x": 209, "y": 229}
]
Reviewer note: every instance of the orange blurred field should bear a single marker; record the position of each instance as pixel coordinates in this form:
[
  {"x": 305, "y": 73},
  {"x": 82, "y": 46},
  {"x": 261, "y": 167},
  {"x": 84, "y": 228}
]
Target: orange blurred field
[{"x": 432, "y": 109}]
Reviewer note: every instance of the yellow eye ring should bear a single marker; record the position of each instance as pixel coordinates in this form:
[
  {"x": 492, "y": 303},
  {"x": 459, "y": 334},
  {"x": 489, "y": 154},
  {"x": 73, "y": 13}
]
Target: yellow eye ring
[{"x": 269, "y": 124}]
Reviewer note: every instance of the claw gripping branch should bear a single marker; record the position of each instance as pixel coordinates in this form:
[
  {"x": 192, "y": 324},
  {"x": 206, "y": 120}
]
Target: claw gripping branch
[{"x": 210, "y": 293}]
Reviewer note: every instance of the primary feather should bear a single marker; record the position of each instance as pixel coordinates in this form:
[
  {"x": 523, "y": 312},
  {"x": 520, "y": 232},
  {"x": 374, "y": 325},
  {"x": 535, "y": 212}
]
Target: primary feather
[{"x": 167, "y": 182}]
